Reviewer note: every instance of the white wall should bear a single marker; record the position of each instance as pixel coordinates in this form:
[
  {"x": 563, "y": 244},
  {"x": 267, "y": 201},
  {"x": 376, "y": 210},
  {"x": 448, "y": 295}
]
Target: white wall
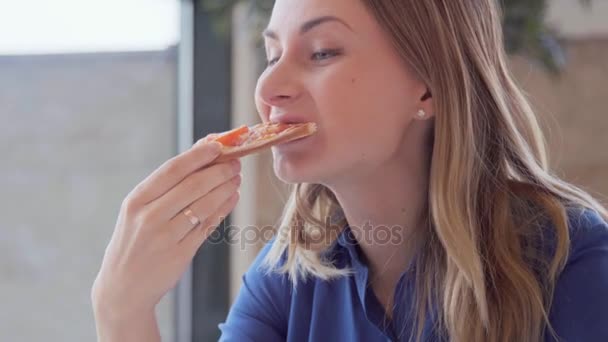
[
  {"x": 576, "y": 21},
  {"x": 77, "y": 133}
]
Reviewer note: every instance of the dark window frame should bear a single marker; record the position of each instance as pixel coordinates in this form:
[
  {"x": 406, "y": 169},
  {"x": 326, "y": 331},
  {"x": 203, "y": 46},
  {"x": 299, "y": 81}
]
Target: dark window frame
[{"x": 204, "y": 105}]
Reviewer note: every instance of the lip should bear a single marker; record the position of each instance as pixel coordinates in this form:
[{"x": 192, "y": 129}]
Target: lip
[
  {"x": 288, "y": 118},
  {"x": 294, "y": 144}
]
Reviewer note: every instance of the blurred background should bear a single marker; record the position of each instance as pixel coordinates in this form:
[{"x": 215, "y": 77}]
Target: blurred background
[{"x": 95, "y": 95}]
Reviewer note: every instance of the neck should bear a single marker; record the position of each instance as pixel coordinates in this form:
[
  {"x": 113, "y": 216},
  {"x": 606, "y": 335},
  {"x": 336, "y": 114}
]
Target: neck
[{"x": 385, "y": 208}]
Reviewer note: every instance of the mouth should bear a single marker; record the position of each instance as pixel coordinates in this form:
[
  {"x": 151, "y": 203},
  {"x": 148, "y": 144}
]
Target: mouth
[
  {"x": 288, "y": 119},
  {"x": 302, "y": 141}
]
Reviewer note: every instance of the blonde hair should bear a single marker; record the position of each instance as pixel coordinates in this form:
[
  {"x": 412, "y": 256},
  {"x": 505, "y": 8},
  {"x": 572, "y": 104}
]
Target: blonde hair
[{"x": 484, "y": 266}]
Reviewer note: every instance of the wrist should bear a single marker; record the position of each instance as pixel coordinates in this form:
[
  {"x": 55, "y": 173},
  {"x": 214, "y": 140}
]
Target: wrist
[
  {"x": 110, "y": 308},
  {"x": 111, "y": 312},
  {"x": 114, "y": 324}
]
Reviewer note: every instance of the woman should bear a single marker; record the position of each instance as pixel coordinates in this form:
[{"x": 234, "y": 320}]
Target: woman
[{"x": 423, "y": 208}]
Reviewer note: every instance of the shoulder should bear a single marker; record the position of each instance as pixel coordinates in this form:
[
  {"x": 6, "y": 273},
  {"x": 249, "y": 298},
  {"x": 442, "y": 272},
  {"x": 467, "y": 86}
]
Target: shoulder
[
  {"x": 580, "y": 300},
  {"x": 266, "y": 280},
  {"x": 588, "y": 234},
  {"x": 261, "y": 309}
]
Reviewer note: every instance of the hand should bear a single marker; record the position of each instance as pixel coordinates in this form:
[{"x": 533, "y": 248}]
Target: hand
[{"x": 154, "y": 240}]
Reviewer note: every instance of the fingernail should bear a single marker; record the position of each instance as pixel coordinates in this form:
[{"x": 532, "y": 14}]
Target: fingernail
[
  {"x": 237, "y": 180},
  {"x": 199, "y": 142}
]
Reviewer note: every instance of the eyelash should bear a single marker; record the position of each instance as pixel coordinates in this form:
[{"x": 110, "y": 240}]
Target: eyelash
[{"x": 314, "y": 57}]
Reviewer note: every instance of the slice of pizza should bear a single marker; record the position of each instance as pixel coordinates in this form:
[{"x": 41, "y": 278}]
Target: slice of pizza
[{"x": 245, "y": 140}]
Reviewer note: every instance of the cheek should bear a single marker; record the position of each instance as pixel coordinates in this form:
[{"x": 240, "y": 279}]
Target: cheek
[
  {"x": 361, "y": 117},
  {"x": 262, "y": 109},
  {"x": 364, "y": 142}
]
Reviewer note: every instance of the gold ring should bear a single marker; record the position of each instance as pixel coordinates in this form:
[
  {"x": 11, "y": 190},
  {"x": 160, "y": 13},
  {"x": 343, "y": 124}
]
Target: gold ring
[{"x": 191, "y": 217}]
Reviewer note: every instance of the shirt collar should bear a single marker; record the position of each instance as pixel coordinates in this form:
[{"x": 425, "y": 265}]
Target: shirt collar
[
  {"x": 347, "y": 240},
  {"x": 372, "y": 310}
]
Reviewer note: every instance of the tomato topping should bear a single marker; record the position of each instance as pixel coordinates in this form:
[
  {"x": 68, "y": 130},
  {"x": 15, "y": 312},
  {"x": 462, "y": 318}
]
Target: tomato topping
[{"x": 233, "y": 137}]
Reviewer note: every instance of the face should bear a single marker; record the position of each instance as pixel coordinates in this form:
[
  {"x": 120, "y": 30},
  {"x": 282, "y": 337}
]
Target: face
[{"x": 330, "y": 62}]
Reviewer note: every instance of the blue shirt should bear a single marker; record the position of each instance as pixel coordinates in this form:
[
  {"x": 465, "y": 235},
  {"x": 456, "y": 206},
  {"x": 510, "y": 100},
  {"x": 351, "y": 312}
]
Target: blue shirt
[{"x": 345, "y": 309}]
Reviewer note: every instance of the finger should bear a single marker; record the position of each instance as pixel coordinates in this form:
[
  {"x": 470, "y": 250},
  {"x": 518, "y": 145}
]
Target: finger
[
  {"x": 203, "y": 208},
  {"x": 174, "y": 170},
  {"x": 208, "y": 138},
  {"x": 211, "y": 136},
  {"x": 195, "y": 238},
  {"x": 191, "y": 188}
]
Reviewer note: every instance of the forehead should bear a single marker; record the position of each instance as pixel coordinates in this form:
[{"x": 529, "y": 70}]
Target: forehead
[{"x": 288, "y": 15}]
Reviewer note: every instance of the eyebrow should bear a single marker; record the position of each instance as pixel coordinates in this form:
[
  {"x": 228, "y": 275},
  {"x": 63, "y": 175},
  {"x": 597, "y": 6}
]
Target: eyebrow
[{"x": 309, "y": 25}]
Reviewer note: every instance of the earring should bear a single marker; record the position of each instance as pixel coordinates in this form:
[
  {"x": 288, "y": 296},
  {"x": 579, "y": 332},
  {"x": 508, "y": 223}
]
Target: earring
[{"x": 421, "y": 114}]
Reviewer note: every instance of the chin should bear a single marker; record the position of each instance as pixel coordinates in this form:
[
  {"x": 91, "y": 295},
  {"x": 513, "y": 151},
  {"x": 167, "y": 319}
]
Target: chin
[{"x": 294, "y": 168}]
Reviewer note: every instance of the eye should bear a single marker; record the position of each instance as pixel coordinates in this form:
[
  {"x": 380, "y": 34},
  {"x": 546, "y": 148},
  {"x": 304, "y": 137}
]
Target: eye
[
  {"x": 273, "y": 61},
  {"x": 317, "y": 56},
  {"x": 324, "y": 54}
]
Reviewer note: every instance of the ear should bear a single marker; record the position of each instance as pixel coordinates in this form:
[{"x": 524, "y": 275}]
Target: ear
[
  {"x": 425, "y": 106},
  {"x": 426, "y": 95}
]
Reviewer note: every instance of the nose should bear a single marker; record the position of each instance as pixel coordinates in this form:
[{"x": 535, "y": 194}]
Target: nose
[{"x": 278, "y": 86}]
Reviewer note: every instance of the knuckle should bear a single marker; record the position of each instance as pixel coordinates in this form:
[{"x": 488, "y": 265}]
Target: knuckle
[
  {"x": 237, "y": 195},
  {"x": 232, "y": 186},
  {"x": 174, "y": 167},
  {"x": 229, "y": 205},
  {"x": 226, "y": 206},
  {"x": 130, "y": 204},
  {"x": 221, "y": 192},
  {"x": 149, "y": 217},
  {"x": 210, "y": 222},
  {"x": 205, "y": 205},
  {"x": 203, "y": 153},
  {"x": 227, "y": 170}
]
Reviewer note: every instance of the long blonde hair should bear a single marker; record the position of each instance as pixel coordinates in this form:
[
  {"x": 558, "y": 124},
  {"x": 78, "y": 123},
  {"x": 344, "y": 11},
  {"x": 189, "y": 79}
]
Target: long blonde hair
[{"x": 484, "y": 266}]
